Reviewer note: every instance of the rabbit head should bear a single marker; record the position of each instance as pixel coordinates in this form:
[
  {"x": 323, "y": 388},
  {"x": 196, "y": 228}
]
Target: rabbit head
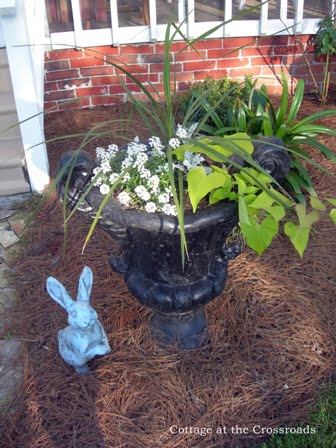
[{"x": 80, "y": 313}]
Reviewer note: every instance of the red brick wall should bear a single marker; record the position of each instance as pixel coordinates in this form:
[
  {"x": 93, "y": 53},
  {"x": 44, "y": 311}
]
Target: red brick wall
[{"x": 86, "y": 74}]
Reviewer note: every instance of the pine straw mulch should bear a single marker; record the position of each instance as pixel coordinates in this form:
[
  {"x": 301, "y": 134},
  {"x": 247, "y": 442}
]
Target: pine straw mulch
[{"x": 272, "y": 342}]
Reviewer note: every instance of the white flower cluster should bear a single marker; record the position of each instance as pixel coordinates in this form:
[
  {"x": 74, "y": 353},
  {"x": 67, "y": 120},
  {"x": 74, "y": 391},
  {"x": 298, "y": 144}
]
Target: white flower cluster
[{"x": 141, "y": 172}]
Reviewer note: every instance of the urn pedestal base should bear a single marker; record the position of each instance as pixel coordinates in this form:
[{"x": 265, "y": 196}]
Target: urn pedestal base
[{"x": 184, "y": 331}]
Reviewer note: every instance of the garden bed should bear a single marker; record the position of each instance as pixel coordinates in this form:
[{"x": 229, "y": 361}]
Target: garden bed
[{"x": 272, "y": 337}]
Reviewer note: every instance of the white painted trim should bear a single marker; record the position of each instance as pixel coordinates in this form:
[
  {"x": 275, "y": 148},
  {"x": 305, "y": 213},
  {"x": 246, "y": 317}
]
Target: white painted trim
[
  {"x": 153, "y": 20},
  {"x": 142, "y": 34},
  {"x": 24, "y": 65},
  {"x": 7, "y": 7}
]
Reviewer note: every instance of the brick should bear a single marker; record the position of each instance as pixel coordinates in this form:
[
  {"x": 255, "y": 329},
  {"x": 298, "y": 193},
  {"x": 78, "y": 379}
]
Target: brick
[
  {"x": 102, "y": 50},
  {"x": 236, "y": 42},
  {"x": 214, "y": 74},
  {"x": 297, "y": 59},
  {"x": 56, "y": 65},
  {"x": 63, "y": 74},
  {"x": 65, "y": 54},
  {"x": 144, "y": 78},
  {"x": 287, "y": 49},
  {"x": 84, "y": 102},
  {"x": 137, "y": 49},
  {"x": 113, "y": 90},
  {"x": 276, "y": 70},
  {"x": 120, "y": 89},
  {"x": 89, "y": 91},
  {"x": 190, "y": 56},
  {"x": 228, "y": 63},
  {"x": 199, "y": 65},
  {"x": 87, "y": 62},
  {"x": 260, "y": 51},
  {"x": 133, "y": 69},
  {"x": 50, "y": 86},
  {"x": 265, "y": 60},
  {"x": 50, "y": 105},
  {"x": 208, "y": 44},
  {"x": 242, "y": 72},
  {"x": 223, "y": 53},
  {"x": 154, "y": 58},
  {"x": 99, "y": 100},
  {"x": 92, "y": 71},
  {"x": 180, "y": 76},
  {"x": 123, "y": 59},
  {"x": 158, "y": 68},
  {"x": 59, "y": 95},
  {"x": 304, "y": 38},
  {"x": 73, "y": 83},
  {"x": 176, "y": 46},
  {"x": 105, "y": 80},
  {"x": 275, "y": 40}
]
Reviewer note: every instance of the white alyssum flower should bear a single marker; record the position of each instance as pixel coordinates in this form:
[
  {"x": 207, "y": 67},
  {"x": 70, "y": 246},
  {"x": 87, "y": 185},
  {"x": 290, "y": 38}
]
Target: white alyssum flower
[
  {"x": 100, "y": 153},
  {"x": 182, "y": 132},
  {"x": 191, "y": 160},
  {"x": 150, "y": 207},
  {"x": 113, "y": 178},
  {"x": 104, "y": 189},
  {"x": 154, "y": 182},
  {"x": 169, "y": 209},
  {"x": 124, "y": 198},
  {"x": 142, "y": 192},
  {"x": 112, "y": 150},
  {"x": 157, "y": 146},
  {"x": 163, "y": 198},
  {"x": 174, "y": 143}
]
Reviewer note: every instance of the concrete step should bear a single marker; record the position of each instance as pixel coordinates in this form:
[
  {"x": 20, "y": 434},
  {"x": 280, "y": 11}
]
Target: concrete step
[
  {"x": 8, "y": 119},
  {"x": 11, "y": 153},
  {"x": 7, "y": 101},
  {"x": 13, "y": 181}
]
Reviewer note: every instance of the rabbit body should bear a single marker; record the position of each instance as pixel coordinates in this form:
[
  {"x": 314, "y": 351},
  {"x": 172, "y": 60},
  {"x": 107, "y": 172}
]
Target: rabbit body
[{"x": 85, "y": 337}]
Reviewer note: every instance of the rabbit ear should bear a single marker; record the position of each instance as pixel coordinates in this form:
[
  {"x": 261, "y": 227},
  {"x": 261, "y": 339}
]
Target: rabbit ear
[
  {"x": 85, "y": 285},
  {"x": 57, "y": 291}
]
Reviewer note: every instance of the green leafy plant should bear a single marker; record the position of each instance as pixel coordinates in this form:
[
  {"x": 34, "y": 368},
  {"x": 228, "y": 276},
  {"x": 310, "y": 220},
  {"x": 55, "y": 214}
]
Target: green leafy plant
[
  {"x": 221, "y": 95},
  {"x": 259, "y": 117},
  {"x": 325, "y": 45}
]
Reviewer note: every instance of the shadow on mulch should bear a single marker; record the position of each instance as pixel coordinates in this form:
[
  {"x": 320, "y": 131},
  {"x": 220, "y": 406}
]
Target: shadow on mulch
[{"x": 272, "y": 342}]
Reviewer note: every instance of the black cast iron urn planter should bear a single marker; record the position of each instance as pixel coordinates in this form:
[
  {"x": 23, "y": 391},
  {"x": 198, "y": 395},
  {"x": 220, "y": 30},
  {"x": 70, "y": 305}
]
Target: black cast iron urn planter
[{"x": 151, "y": 259}]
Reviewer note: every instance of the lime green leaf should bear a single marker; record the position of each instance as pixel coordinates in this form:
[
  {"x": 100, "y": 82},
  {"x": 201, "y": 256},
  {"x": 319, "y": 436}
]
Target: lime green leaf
[
  {"x": 243, "y": 215},
  {"x": 298, "y": 236},
  {"x": 241, "y": 139},
  {"x": 200, "y": 184},
  {"x": 222, "y": 193},
  {"x": 260, "y": 236},
  {"x": 317, "y": 204},
  {"x": 241, "y": 185},
  {"x": 331, "y": 201},
  {"x": 257, "y": 174},
  {"x": 286, "y": 201},
  {"x": 332, "y": 215},
  {"x": 277, "y": 211},
  {"x": 306, "y": 220},
  {"x": 263, "y": 200}
]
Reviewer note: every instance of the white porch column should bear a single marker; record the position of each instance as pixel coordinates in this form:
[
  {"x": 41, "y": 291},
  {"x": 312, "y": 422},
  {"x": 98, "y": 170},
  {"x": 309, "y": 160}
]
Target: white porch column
[{"x": 23, "y": 27}]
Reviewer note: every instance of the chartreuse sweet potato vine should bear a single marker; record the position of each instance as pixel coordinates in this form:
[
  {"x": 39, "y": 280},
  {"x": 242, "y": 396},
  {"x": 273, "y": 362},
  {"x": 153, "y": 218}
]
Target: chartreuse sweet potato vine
[{"x": 261, "y": 209}]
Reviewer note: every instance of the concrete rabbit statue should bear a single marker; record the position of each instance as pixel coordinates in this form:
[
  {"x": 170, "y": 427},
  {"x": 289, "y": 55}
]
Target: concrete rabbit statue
[{"x": 85, "y": 337}]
